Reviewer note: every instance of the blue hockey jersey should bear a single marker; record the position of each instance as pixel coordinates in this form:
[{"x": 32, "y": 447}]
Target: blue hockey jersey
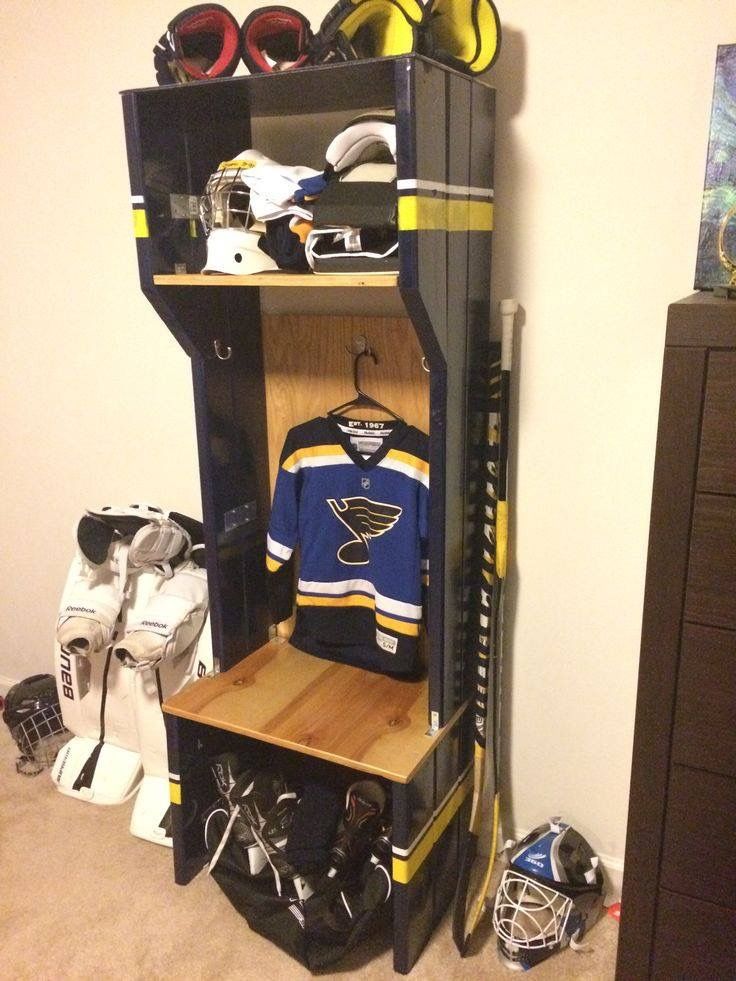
[{"x": 352, "y": 496}]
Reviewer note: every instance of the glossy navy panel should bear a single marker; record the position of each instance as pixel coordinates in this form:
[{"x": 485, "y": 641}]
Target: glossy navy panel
[
  {"x": 192, "y": 783},
  {"x": 459, "y": 121},
  {"x": 321, "y": 88},
  {"x": 413, "y": 906},
  {"x": 232, "y": 444},
  {"x": 478, "y": 356},
  {"x": 421, "y": 151},
  {"x": 413, "y": 806},
  {"x": 184, "y": 135}
]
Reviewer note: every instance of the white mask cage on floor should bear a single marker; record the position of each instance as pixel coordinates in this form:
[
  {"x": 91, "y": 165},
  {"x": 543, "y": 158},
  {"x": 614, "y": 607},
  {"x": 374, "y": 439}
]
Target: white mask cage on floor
[
  {"x": 528, "y": 915},
  {"x": 39, "y": 738}
]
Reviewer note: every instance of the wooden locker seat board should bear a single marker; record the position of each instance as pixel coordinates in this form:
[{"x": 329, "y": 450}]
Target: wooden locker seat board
[{"x": 289, "y": 699}]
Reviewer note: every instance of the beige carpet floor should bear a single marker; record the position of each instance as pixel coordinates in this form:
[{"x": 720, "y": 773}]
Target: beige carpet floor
[{"x": 81, "y": 898}]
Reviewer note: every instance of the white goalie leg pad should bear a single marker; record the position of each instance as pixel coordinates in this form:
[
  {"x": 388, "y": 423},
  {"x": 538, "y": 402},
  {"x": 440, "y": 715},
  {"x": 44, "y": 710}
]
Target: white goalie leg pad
[
  {"x": 78, "y": 681},
  {"x": 117, "y": 775},
  {"x": 151, "y": 817},
  {"x": 169, "y": 623},
  {"x": 91, "y": 602},
  {"x": 101, "y": 763}
]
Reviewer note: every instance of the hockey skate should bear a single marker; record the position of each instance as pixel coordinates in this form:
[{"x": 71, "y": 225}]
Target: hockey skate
[
  {"x": 365, "y": 803},
  {"x": 269, "y": 806},
  {"x": 225, "y": 772},
  {"x": 378, "y": 882}
]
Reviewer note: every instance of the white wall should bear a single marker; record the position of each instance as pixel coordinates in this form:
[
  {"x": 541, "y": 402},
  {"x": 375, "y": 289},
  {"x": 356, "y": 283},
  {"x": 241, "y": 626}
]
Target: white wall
[
  {"x": 602, "y": 131},
  {"x": 604, "y": 112}
]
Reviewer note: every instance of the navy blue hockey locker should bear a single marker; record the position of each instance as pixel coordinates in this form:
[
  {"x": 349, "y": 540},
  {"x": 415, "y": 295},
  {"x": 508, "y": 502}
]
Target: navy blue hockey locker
[{"x": 176, "y": 137}]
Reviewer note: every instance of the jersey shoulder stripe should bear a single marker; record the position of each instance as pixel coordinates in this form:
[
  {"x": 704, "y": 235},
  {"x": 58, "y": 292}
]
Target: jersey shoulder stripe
[
  {"x": 408, "y": 464},
  {"x": 315, "y": 456}
]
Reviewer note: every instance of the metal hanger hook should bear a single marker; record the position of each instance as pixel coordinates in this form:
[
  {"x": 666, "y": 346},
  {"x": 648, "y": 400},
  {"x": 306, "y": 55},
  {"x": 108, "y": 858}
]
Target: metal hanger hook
[
  {"x": 223, "y": 351},
  {"x": 368, "y": 353}
]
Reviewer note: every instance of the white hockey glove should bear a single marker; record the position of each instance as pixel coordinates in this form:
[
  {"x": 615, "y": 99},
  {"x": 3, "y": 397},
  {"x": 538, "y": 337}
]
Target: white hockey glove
[
  {"x": 170, "y": 622},
  {"x": 158, "y": 544},
  {"x": 95, "y": 586},
  {"x": 91, "y": 602},
  {"x": 157, "y": 540}
]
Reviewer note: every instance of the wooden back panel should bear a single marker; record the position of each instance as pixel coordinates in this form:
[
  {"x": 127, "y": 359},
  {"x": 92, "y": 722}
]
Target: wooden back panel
[{"x": 309, "y": 370}]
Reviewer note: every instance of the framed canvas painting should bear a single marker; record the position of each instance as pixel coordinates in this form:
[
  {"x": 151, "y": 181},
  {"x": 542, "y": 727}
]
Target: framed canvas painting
[{"x": 716, "y": 261}]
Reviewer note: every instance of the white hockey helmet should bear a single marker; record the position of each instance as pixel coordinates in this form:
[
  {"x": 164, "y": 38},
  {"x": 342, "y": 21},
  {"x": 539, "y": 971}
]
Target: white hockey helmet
[{"x": 232, "y": 232}]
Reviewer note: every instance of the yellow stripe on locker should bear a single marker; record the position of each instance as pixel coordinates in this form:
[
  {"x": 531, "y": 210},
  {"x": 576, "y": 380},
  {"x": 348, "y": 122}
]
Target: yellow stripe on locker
[
  {"x": 140, "y": 223},
  {"x": 454, "y": 215},
  {"x": 174, "y": 792},
  {"x": 403, "y": 869}
]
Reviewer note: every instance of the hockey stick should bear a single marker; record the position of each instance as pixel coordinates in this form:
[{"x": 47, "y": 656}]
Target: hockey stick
[{"x": 468, "y": 908}]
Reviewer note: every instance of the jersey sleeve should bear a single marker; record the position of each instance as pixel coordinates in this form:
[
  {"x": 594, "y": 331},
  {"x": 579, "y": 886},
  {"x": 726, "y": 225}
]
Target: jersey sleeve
[{"x": 283, "y": 528}]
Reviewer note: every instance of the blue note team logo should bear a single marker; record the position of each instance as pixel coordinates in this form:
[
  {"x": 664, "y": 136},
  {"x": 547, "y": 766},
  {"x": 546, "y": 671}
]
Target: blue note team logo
[{"x": 364, "y": 519}]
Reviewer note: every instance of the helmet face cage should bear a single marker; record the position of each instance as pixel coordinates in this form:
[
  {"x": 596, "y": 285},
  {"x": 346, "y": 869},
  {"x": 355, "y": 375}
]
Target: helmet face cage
[
  {"x": 550, "y": 894},
  {"x": 39, "y": 738},
  {"x": 226, "y": 200},
  {"x": 33, "y": 716},
  {"x": 528, "y": 914}
]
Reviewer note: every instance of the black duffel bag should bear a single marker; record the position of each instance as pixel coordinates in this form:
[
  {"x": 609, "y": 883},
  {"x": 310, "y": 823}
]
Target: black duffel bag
[{"x": 343, "y": 910}]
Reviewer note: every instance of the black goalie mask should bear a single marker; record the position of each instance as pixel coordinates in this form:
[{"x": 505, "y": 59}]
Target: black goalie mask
[
  {"x": 549, "y": 896},
  {"x": 33, "y": 716}
]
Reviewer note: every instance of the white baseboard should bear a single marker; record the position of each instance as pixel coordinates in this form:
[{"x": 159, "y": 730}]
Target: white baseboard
[
  {"x": 613, "y": 873},
  {"x": 6, "y": 684}
]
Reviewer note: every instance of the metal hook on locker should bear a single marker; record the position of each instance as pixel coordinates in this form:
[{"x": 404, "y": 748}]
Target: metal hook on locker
[{"x": 223, "y": 351}]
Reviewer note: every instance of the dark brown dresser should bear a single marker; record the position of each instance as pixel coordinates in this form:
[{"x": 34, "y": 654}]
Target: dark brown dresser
[{"x": 679, "y": 890}]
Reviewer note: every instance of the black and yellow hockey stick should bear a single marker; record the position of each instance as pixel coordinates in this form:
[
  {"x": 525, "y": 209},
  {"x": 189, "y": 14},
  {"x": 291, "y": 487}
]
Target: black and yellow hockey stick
[{"x": 469, "y": 903}]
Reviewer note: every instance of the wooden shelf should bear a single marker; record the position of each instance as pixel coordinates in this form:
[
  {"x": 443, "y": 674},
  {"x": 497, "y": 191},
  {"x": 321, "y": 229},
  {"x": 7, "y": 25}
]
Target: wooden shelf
[
  {"x": 339, "y": 713},
  {"x": 302, "y": 280}
]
